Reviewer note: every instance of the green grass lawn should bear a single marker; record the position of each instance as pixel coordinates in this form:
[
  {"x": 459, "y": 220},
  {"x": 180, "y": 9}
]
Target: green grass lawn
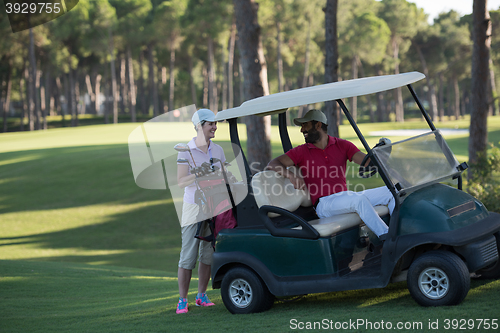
[{"x": 83, "y": 249}]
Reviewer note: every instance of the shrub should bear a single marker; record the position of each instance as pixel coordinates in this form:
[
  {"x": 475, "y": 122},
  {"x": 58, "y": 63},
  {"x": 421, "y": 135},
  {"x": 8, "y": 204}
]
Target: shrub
[{"x": 484, "y": 183}]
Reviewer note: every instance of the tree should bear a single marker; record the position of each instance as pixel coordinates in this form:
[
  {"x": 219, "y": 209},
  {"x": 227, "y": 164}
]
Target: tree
[
  {"x": 331, "y": 63},
  {"x": 131, "y": 15},
  {"x": 12, "y": 51},
  {"x": 481, "y": 37},
  {"x": 100, "y": 41},
  {"x": 70, "y": 36},
  {"x": 166, "y": 20},
  {"x": 36, "y": 101},
  {"x": 8, "y": 88},
  {"x": 494, "y": 56},
  {"x": 403, "y": 18},
  {"x": 428, "y": 46},
  {"x": 455, "y": 46},
  {"x": 204, "y": 22},
  {"x": 255, "y": 81},
  {"x": 364, "y": 39}
]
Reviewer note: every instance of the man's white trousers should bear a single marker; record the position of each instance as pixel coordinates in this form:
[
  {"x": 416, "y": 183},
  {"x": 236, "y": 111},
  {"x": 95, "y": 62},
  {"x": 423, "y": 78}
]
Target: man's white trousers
[{"x": 361, "y": 203}]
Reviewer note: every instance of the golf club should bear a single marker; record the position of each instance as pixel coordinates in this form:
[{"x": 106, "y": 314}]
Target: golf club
[
  {"x": 183, "y": 147},
  {"x": 183, "y": 160}
]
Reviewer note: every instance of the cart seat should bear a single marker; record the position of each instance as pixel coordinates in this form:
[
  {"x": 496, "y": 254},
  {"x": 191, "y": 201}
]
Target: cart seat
[
  {"x": 271, "y": 188},
  {"x": 334, "y": 224}
]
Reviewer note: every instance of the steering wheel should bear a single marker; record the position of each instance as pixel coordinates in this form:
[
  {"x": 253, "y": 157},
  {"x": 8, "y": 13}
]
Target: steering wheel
[{"x": 369, "y": 170}]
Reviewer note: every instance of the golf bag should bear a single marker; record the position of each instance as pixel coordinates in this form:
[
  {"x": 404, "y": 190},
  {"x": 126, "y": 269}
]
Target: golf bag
[{"x": 216, "y": 211}]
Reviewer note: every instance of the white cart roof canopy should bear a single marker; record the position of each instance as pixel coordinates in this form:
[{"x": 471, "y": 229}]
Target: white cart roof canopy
[{"x": 280, "y": 102}]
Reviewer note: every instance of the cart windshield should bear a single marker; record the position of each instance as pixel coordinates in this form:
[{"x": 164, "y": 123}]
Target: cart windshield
[{"x": 417, "y": 162}]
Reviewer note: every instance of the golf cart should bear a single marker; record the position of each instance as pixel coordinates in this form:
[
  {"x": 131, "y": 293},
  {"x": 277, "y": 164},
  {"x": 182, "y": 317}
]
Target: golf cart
[{"x": 438, "y": 234}]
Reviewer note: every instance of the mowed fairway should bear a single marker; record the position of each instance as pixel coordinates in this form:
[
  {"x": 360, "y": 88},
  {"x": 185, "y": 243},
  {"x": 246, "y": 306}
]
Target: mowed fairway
[{"x": 84, "y": 249}]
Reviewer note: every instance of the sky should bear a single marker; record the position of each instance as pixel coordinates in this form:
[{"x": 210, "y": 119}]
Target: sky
[{"x": 463, "y": 7}]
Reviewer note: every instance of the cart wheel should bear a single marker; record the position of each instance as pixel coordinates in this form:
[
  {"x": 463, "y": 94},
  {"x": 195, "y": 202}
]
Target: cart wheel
[
  {"x": 244, "y": 292},
  {"x": 438, "y": 278}
]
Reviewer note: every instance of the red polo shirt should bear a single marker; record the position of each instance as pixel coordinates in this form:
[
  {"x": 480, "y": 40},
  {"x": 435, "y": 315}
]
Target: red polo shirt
[{"x": 324, "y": 169}]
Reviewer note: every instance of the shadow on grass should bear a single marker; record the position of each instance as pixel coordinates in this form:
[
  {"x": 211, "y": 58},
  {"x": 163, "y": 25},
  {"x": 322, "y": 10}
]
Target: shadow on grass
[
  {"x": 148, "y": 237},
  {"x": 55, "y": 297},
  {"x": 144, "y": 236},
  {"x": 69, "y": 177},
  {"x": 64, "y": 297}
]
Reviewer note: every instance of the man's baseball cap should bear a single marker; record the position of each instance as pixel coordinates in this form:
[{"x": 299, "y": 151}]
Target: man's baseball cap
[
  {"x": 203, "y": 115},
  {"x": 311, "y": 115}
]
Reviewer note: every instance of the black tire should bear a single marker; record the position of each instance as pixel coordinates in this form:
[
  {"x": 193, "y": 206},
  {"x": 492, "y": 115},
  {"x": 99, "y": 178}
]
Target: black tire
[
  {"x": 244, "y": 292},
  {"x": 438, "y": 278},
  {"x": 493, "y": 270}
]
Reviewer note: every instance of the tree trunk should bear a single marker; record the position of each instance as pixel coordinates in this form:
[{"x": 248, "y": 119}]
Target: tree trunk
[
  {"x": 77, "y": 99},
  {"x": 52, "y": 105},
  {"x": 161, "y": 80},
  {"x": 230, "y": 65},
  {"x": 354, "y": 100},
  {"x": 55, "y": 103},
  {"x": 305, "y": 77},
  {"x": 23, "y": 101},
  {"x": 381, "y": 111},
  {"x": 8, "y": 89},
  {"x": 280, "y": 64},
  {"x": 331, "y": 63},
  {"x": 108, "y": 104},
  {"x": 432, "y": 99},
  {"x": 97, "y": 106},
  {"x": 61, "y": 92},
  {"x": 171, "y": 88},
  {"x": 33, "y": 74},
  {"x": 164, "y": 79},
  {"x": 191, "y": 81},
  {"x": 255, "y": 85},
  {"x": 368, "y": 97},
  {"x": 441, "y": 97},
  {"x": 464, "y": 105},
  {"x": 43, "y": 106},
  {"x": 431, "y": 90},
  {"x": 131, "y": 84},
  {"x": 218, "y": 88},
  {"x": 481, "y": 36},
  {"x": 142, "y": 92},
  {"x": 123, "y": 84},
  {"x": 67, "y": 96},
  {"x": 30, "y": 95},
  {"x": 307, "y": 56},
  {"x": 398, "y": 94},
  {"x": 456, "y": 97},
  {"x": 212, "y": 89},
  {"x": 73, "y": 101},
  {"x": 38, "y": 114},
  {"x": 152, "y": 86},
  {"x": 493, "y": 90},
  {"x": 224, "y": 80},
  {"x": 2, "y": 101},
  {"x": 280, "y": 58},
  {"x": 91, "y": 94},
  {"x": 242, "y": 83},
  {"x": 114, "y": 89},
  {"x": 205, "y": 87}
]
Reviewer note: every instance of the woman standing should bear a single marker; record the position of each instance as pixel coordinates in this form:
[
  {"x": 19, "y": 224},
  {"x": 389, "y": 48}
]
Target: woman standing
[{"x": 202, "y": 149}]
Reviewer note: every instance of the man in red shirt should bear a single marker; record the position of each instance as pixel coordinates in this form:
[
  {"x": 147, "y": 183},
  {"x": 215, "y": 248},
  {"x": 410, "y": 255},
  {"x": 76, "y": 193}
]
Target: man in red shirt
[{"x": 322, "y": 163}]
